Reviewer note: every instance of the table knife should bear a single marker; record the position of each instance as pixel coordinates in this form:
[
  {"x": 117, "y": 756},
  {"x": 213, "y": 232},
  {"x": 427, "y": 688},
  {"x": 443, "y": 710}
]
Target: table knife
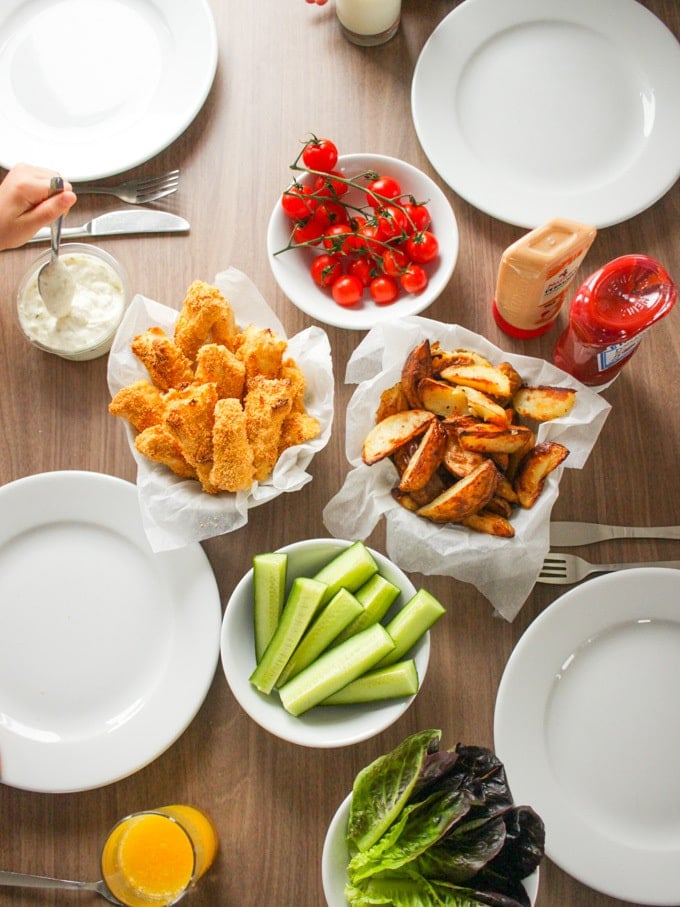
[
  {"x": 568, "y": 534},
  {"x": 118, "y": 222}
]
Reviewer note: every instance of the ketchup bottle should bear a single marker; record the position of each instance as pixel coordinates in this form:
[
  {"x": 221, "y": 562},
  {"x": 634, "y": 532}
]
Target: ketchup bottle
[{"x": 609, "y": 315}]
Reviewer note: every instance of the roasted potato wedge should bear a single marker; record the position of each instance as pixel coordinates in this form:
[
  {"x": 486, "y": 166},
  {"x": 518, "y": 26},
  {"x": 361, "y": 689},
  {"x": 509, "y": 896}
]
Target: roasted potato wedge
[
  {"x": 456, "y": 460},
  {"x": 483, "y": 406},
  {"x": 535, "y": 468},
  {"x": 392, "y": 400},
  {"x": 464, "y": 497},
  {"x": 418, "y": 365},
  {"x": 492, "y": 439},
  {"x": 442, "y": 359},
  {"x": 490, "y": 523},
  {"x": 442, "y": 398},
  {"x": 394, "y": 431},
  {"x": 543, "y": 403},
  {"x": 485, "y": 378},
  {"x": 426, "y": 459}
]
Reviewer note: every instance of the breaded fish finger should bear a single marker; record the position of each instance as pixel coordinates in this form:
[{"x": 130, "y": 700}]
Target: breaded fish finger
[
  {"x": 232, "y": 454},
  {"x": 217, "y": 364},
  {"x": 141, "y": 403},
  {"x": 158, "y": 445},
  {"x": 164, "y": 361},
  {"x": 189, "y": 416},
  {"x": 204, "y": 314},
  {"x": 268, "y": 402}
]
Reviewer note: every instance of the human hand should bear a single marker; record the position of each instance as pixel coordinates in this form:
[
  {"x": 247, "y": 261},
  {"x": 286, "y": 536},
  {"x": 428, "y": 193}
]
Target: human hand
[{"x": 26, "y": 205}]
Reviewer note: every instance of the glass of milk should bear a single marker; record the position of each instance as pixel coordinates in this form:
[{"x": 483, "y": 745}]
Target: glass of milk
[{"x": 368, "y": 22}]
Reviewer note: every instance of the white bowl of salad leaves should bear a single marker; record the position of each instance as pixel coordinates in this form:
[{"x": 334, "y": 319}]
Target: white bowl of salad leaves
[
  {"x": 325, "y": 642},
  {"x": 445, "y": 826}
]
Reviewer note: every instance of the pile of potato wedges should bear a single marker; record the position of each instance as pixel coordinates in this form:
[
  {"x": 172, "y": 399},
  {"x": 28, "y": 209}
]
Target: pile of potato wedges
[{"x": 460, "y": 432}]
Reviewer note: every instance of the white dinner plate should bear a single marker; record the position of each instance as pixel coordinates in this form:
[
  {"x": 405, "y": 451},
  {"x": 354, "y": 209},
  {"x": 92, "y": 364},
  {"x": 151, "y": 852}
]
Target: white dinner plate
[
  {"x": 107, "y": 650},
  {"x": 534, "y": 109},
  {"x": 588, "y": 727},
  {"x": 93, "y": 87}
]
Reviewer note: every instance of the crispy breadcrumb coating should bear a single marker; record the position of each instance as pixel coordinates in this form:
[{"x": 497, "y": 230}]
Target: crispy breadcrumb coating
[
  {"x": 159, "y": 445},
  {"x": 217, "y": 364},
  {"x": 141, "y": 403},
  {"x": 164, "y": 361},
  {"x": 268, "y": 402},
  {"x": 205, "y": 315},
  {"x": 232, "y": 454}
]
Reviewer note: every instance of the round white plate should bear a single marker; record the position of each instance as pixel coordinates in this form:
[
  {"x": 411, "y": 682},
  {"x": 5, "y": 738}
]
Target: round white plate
[
  {"x": 107, "y": 650},
  {"x": 539, "y": 108},
  {"x": 291, "y": 268},
  {"x": 335, "y": 858},
  {"x": 588, "y": 726},
  {"x": 323, "y": 726},
  {"x": 94, "y": 87}
]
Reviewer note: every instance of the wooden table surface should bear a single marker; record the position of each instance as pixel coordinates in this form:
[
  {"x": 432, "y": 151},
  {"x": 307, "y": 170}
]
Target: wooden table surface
[{"x": 285, "y": 71}]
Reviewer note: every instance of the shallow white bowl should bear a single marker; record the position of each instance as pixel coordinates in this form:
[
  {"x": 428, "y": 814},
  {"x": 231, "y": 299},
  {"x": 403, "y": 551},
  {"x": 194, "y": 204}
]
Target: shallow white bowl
[
  {"x": 291, "y": 268},
  {"x": 323, "y": 726},
  {"x": 335, "y": 858}
]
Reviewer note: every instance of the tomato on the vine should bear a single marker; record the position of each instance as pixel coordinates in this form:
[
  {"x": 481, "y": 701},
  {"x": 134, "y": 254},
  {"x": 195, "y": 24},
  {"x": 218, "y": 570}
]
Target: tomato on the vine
[
  {"x": 422, "y": 247},
  {"x": 347, "y": 290},
  {"x": 382, "y": 190},
  {"x": 328, "y": 187},
  {"x": 325, "y": 269},
  {"x": 298, "y": 202},
  {"x": 336, "y": 237},
  {"x": 383, "y": 289},
  {"x": 320, "y": 154},
  {"x": 362, "y": 267},
  {"x": 394, "y": 261},
  {"x": 309, "y": 231},
  {"x": 367, "y": 238},
  {"x": 418, "y": 217},
  {"x": 414, "y": 279},
  {"x": 331, "y": 213},
  {"x": 392, "y": 222}
]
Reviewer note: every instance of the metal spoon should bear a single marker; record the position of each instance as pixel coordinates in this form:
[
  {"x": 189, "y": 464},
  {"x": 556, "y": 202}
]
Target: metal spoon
[
  {"x": 55, "y": 284},
  {"x": 27, "y": 880}
]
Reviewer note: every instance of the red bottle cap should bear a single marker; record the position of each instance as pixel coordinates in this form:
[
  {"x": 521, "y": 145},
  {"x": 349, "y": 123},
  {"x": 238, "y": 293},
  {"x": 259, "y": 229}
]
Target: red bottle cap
[{"x": 520, "y": 333}]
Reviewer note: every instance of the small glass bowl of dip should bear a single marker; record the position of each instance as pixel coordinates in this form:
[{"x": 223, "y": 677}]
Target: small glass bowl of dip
[{"x": 100, "y": 299}]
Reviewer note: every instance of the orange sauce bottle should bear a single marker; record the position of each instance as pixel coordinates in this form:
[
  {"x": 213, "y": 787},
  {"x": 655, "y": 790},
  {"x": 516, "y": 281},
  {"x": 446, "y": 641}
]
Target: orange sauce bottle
[{"x": 535, "y": 274}]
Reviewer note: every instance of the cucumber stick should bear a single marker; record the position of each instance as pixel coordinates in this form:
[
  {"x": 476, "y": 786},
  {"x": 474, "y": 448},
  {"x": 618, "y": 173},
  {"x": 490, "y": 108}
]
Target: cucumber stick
[
  {"x": 349, "y": 569},
  {"x": 410, "y": 623},
  {"x": 392, "y": 682},
  {"x": 335, "y": 669},
  {"x": 376, "y": 596},
  {"x": 341, "y": 610},
  {"x": 303, "y": 600},
  {"x": 269, "y": 591}
]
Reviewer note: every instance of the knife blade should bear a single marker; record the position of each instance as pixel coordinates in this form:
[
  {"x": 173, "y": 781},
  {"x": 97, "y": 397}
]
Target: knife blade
[
  {"x": 568, "y": 534},
  {"x": 118, "y": 222}
]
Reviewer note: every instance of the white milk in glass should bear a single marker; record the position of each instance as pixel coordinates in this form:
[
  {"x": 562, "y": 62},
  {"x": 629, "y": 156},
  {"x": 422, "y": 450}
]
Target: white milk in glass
[{"x": 364, "y": 20}]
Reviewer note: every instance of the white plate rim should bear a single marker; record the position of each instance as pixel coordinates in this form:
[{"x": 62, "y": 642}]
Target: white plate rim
[
  {"x": 334, "y": 856},
  {"x": 459, "y": 36},
  {"x": 324, "y": 727},
  {"x": 174, "y": 696},
  {"x": 88, "y": 154},
  {"x": 599, "y": 605},
  {"x": 367, "y": 317}
]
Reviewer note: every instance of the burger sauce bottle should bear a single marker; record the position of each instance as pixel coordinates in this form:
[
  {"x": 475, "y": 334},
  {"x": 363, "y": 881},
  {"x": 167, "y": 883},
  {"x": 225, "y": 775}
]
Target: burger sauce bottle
[{"x": 609, "y": 316}]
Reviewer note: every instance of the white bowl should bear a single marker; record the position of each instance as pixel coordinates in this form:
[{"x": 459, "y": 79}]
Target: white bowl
[
  {"x": 323, "y": 726},
  {"x": 291, "y": 268},
  {"x": 335, "y": 858}
]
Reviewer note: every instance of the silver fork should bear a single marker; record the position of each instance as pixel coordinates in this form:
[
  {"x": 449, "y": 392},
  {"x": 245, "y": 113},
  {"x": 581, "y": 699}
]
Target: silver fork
[
  {"x": 135, "y": 192},
  {"x": 28, "y": 880},
  {"x": 567, "y": 568}
]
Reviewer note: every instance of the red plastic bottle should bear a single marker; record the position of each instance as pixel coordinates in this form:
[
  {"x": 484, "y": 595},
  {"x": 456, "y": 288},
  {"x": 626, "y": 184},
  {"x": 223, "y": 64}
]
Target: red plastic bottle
[{"x": 609, "y": 316}]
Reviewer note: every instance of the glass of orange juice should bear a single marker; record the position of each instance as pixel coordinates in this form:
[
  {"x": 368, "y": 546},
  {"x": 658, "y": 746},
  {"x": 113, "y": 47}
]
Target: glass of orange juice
[{"x": 156, "y": 856}]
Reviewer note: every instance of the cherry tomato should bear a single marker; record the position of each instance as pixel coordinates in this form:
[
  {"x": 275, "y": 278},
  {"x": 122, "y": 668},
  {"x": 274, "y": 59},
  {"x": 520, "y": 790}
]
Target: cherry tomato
[
  {"x": 362, "y": 268},
  {"x": 310, "y": 230},
  {"x": 418, "y": 217},
  {"x": 422, "y": 247},
  {"x": 414, "y": 279},
  {"x": 384, "y": 289},
  {"x": 336, "y": 238},
  {"x": 381, "y": 190},
  {"x": 320, "y": 154},
  {"x": 394, "y": 261},
  {"x": 392, "y": 222},
  {"x": 332, "y": 212},
  {"x": 297, "y": 202},
  {"x": 325, "y": 269},
  {"x": 347, "y": 290},
  {"x": 327, "y": 187},
  {"x": 368, "y": 240}
]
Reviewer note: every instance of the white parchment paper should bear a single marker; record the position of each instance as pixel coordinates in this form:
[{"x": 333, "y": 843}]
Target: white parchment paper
[
  {"x": 504, "y": 570},
  {"x": 175, "y": 511}
]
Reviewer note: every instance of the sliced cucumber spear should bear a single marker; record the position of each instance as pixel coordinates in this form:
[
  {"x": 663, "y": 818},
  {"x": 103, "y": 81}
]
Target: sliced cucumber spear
[
  {"x": 392, "y": 682},
  {"x": 410, "y": 623},
  {"x": 335, "y": 669},
  {"x": 342, "y": 609},
  {"x": 303, "y": 600},
  {"x": 269, "y": 592},
  {"x": 376, "y": 596},
  {"x": 349, "y": 569}
]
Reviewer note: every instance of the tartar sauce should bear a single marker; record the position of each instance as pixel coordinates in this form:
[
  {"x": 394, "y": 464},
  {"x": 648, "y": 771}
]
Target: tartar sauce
[{"x": 95, "y": 312}]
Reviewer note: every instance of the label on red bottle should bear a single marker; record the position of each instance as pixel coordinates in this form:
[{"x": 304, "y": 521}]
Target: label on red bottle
[{"x": 608, "y": 357}]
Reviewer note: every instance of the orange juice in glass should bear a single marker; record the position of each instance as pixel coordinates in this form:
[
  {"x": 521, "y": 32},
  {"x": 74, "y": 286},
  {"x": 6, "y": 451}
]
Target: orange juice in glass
[{"x": 156, "y": 856}]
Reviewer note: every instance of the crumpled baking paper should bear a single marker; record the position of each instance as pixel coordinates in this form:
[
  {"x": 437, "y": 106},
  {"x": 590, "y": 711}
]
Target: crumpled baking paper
[
  {"x": 175, "y": 511},
  {"x": 503, "y": 570}
]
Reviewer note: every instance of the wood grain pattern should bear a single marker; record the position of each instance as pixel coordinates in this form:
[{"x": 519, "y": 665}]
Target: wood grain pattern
[{"x": 286, "y": 71}]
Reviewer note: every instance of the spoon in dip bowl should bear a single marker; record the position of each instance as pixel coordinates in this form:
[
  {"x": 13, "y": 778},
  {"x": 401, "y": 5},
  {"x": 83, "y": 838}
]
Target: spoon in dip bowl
[{"x": 55, "y": 284}]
